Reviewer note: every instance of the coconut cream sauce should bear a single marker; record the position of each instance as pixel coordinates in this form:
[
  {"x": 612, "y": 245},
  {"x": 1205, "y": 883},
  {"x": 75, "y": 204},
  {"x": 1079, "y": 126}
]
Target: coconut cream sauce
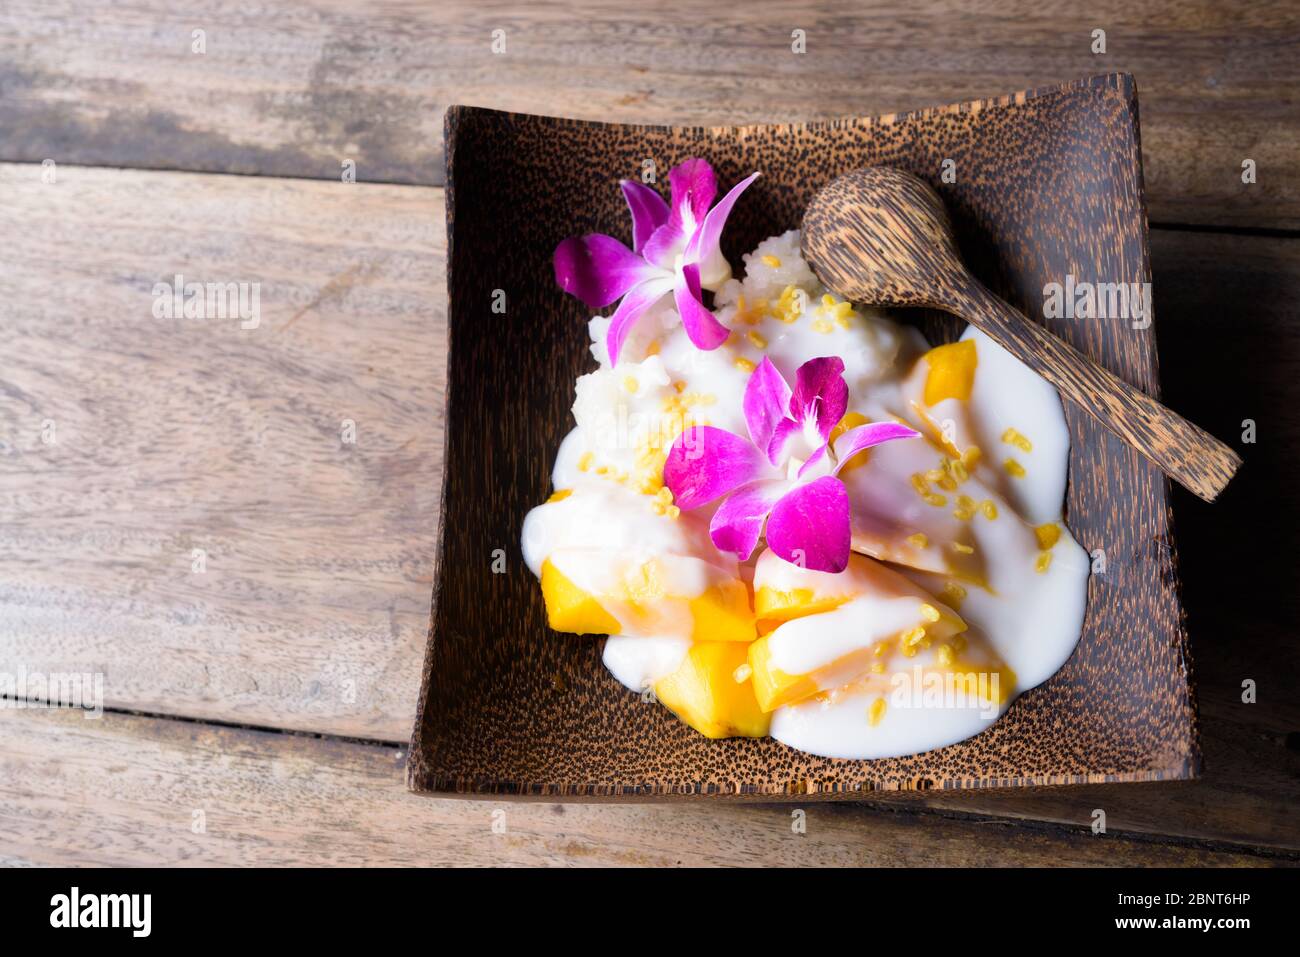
[{"x": 1023, "y": 611}]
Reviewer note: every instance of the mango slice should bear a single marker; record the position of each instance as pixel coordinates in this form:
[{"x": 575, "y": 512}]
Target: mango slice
[
  {"x": 777, "y": 605},
  {"x": 569, "y": 608},
  {"x": 952, "y": 371},
  {"x": 774, "y": 688},
  {"x": 783, "y": 591},
  {"x": 721, "y": 613},
  {"x": 704, "y": 692}
]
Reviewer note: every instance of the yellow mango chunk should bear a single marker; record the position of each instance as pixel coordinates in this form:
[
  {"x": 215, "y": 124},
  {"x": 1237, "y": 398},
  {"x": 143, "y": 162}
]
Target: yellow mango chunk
[
  {"x": 722, "y": 613},
  {"x": 776, "y": 605},
  {"x": 782, "y": 593},
  {"x": 569, "y": 608},
  {"x": 952, "y": 371},
  {"x": 704, "y": 692},
  {"x": 773, "y": 687}
]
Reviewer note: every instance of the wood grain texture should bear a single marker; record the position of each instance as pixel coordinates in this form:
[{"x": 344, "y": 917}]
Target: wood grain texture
[
  {"x": 293, "y": 87},
  {"x": 125, "y": 790},
  {"x": 1227, "y": 308},
  {"x": 509, "y": 707},
  {"x": 882, "y": 236},
  {"x": 170, "y": 435}
]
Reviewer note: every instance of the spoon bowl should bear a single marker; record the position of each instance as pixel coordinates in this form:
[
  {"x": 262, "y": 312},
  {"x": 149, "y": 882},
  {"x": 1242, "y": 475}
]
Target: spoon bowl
[{"x": 882, "y": 237}]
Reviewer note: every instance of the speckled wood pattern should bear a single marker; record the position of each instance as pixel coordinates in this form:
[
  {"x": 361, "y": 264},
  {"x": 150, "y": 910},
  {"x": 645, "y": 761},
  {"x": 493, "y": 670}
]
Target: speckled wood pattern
[{"x": 1047, "y": 183}]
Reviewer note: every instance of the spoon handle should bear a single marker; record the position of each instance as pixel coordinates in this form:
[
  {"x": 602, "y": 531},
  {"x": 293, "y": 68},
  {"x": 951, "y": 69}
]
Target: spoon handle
[{"x": 1185, "y": 452}]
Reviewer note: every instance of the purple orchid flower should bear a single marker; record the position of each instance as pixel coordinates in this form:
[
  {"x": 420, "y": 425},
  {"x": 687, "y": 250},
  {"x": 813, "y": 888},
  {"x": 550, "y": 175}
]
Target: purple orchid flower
[
  {"x": 785, "y": 473},
  {"x": 673, "y": 250}
]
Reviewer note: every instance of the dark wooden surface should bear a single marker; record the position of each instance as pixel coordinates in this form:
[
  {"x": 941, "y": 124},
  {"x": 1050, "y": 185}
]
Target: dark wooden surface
[{"x": 311, "y": 617}]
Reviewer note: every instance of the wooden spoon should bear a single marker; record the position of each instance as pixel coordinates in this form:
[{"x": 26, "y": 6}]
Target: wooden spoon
[{"x": 881, "y": 236}]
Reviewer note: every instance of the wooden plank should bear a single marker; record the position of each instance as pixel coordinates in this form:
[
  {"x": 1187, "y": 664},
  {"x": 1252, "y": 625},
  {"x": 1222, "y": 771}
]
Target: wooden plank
[
  {"x": 127, "y": 790},
  {"x": 294, "y": 89},
  {"x": 171, "y": 435},
  {"x": 175, "y": 435}
]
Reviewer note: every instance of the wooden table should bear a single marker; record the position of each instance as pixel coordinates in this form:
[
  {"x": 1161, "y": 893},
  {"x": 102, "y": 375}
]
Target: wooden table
[{"x": 258, "y": 709}]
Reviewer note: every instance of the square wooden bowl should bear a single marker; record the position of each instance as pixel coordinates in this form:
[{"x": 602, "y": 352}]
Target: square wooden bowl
[{"x": 1047, "y": 183}]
